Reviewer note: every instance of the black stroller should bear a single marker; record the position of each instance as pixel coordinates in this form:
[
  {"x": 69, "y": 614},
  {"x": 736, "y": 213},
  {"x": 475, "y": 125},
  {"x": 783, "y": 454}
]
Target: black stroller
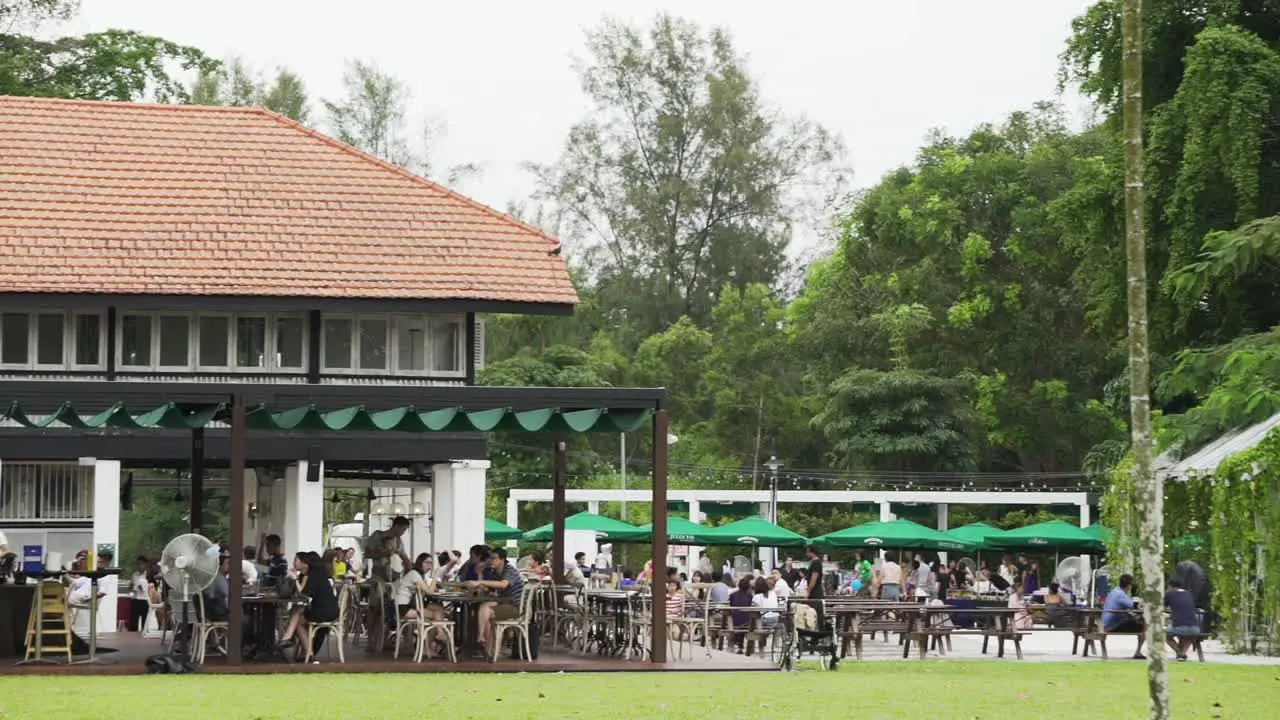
[{"x": 791, "y": 644}]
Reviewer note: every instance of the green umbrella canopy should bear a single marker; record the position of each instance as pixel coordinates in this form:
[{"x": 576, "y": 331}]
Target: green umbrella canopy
[
  {"x": 1189, "y": 542},
  {"x": 680, "y": 531},
  {"x": 1055, "y": 535},
  {"x": 895, "y": 534},
  {"x": 974, "y": 534},
  {"x": 495, "y": 531},
  {"x": 754, "y": 531},
  {"x": 1100, "y": 533},
  {"x": 606, "y": 529}
]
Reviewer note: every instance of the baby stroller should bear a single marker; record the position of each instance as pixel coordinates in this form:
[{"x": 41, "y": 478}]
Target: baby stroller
[{"x": 793, "y": 640}]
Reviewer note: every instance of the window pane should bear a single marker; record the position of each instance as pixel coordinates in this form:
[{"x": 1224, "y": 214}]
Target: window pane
[
  {"x": 135, "y": 340},
  {"x": 373, "y": 344},
  {"x": 88, "y": 339},
  {"x": 214, "y": 334},
  {"x": 337, "y": 343},
  {"x": 251, "y": 342},
  {"x": 175, "y": 341},
  {"x": 411, "y": 344},
  {"x": 15, "y": 329},
  {"x": 50, "y": 337},
  {"x": 289, "y": 342},
  {"x": 446, "y": 342}
]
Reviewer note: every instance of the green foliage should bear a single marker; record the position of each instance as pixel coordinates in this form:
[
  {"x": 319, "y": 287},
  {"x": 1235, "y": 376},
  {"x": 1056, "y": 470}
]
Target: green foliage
[
  {"x": 683, "y": 179},
  {"x": 900, "y": 420},
  {"x": 1228, "y": 386},
  {"x": 112, "y": 65},
  {"x": 234, "y": 83}
]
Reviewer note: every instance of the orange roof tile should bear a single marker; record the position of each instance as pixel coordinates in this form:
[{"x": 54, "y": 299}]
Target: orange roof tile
[{"x": 102, "y": 197}]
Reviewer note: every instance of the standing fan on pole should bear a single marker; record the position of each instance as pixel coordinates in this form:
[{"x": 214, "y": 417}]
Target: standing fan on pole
[{"x": 189, "y": 564}]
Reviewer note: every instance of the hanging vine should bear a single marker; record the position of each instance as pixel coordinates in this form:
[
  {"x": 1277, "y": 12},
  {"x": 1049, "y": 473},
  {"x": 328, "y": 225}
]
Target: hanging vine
[{"x": 1245, "y": 546}]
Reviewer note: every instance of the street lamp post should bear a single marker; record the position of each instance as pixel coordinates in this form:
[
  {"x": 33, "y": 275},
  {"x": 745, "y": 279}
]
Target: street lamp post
[{"x": 773, "y": 464}]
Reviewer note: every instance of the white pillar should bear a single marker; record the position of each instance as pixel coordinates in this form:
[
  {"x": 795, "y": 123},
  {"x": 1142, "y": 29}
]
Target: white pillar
[
  {"x": 593, "y": 507},
  {"x": 457, "y": 504},
  {"x": 885, "y": 514},
  {"x": 695, "y": 516},
  {"x": 106, "y": 533},
  {"x": 765, "y": 554},
  {"x": 513, "y": 519},
  {"x": 1084, "y": 515},
  {"x": 942, "y": 527},
  {"x": 277, "y": 509},
  {"x": 420, "y": 530},
  {"x": 304, "y": 510}
]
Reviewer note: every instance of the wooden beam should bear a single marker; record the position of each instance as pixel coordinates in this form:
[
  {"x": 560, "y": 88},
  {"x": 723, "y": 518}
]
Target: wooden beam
[
  {"x": 235, "y": 621},
  {"x": 659, "y": 518},
  {"x": 197, "y": 481},
  {"x": 560, "y": 479}
]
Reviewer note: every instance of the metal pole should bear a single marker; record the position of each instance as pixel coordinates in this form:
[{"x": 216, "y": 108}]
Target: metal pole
[
  {"x": 622, "y": 470},
  {"x": 560, "y": 472},
  {"x": 773, "y": 506}
]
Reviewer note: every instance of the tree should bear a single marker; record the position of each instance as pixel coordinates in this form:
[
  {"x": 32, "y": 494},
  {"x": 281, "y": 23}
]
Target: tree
[
  {"x": 1149, "y": 485},
  {"x": 683, "y": 179},
  {"x": 372, "y": 114},
  {"x": 113, "y": 65},
  {"x": 236, "y": 84},
  {"x": 958, "y": 265}
]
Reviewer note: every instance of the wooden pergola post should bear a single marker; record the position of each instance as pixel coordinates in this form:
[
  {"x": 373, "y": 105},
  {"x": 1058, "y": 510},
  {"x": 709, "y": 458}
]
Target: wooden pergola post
[
  {"x": 559, "y": 480},
  {"x": 658, "y": 583},
  {"x": 235, "y": 619}
]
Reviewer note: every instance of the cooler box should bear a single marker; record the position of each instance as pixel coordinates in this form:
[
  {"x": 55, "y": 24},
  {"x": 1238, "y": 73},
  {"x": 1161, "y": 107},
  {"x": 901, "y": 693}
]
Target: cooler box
[{"x": 32, "y": 559}]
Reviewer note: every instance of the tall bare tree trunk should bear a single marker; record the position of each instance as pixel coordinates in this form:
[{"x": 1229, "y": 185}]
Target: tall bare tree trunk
[{"x": 1148, "y": 486}]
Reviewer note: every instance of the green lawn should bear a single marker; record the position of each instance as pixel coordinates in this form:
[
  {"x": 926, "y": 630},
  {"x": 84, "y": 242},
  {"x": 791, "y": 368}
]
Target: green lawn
[{"x": 925, "y": 691}]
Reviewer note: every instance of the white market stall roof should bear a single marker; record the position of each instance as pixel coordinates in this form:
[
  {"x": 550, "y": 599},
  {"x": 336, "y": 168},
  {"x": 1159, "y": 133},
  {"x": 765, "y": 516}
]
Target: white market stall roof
[{"x": 1207, "y": 459}]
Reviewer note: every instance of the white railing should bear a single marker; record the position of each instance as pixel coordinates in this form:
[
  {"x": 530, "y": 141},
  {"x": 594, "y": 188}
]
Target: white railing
[{"x": 46, "y": 491}]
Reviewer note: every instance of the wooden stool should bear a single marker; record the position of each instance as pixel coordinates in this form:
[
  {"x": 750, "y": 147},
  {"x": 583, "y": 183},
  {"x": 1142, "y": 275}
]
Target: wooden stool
[{"x": 49, "y": 618}]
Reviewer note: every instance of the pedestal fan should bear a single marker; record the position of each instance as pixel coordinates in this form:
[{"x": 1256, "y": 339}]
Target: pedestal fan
[{"x": 189, "y": 564}]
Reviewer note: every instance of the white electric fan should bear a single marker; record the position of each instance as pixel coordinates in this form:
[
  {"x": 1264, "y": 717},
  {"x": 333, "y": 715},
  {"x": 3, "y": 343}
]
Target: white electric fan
[{"x": 188, "y": 565}]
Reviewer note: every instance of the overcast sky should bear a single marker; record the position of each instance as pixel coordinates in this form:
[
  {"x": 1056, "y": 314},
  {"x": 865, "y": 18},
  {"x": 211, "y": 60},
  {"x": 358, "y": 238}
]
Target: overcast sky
[{"x": 498, "y": 73}]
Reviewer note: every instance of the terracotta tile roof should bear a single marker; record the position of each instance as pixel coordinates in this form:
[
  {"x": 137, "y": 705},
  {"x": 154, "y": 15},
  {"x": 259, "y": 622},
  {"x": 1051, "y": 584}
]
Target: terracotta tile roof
[{"x": 182, "y": 199}]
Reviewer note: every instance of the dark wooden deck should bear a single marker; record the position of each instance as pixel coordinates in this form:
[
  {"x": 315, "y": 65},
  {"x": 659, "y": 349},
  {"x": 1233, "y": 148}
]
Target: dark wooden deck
[{"x": 132, "y": 650}]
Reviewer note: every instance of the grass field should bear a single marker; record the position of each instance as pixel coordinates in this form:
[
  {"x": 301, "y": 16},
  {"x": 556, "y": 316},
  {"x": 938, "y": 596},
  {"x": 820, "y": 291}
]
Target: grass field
[{"x": 931, "y": 690}]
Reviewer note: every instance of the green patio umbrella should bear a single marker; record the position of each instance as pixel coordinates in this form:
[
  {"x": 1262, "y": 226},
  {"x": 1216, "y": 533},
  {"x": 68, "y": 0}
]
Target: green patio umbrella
[
  {"x": 974, "y": 534},
  {"x": 1100, "y": 533},
  {"x": 895, "y": 534},
  {"x": 680, "y": 531},
  {"x": 606, "y": 529},
  {"x": 1189, "y": 542},
  {"x": 754, "y": 530},
  {"x": 1053, "y": 536},
  {"x": 495, "y": 531}
]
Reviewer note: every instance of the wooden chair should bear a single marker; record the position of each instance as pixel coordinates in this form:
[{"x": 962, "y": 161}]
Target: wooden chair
[
  {"x": 205, "y": 629},
  {"x": 49, "y": 617},
  {"x": 519, "y": 626},
  {"x": 334, "y": 627}
]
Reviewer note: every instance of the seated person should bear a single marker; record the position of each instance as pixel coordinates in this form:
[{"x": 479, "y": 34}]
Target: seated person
[
  {"x": 419, "y": 579},
  {"x": 313, "y": 579},
  {"x": 628, "y": 580},
  {"x": 473, "y": 569},
  {"x": 767, "y": 599},
  {"x": 1184, "y": 623},
  {"x": 1118, "y": 615},
  {"x": 218, "y": 594},
  {"x": 1054, "y": 602},
  {"x": 506, "y": 586},
  {"x": 538, "y": 566}
]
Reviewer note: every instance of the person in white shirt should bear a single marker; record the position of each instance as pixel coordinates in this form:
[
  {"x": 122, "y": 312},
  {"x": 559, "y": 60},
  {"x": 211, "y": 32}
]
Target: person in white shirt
[
  {"x": 139, "y": 595},
  {"x": 447, "y": 564},
  {"x": 248, "y": 568},
  {"x": 890, "y": 580},
  {"x": 780, "y": 586},
  {"x": 765, "y": 599}
]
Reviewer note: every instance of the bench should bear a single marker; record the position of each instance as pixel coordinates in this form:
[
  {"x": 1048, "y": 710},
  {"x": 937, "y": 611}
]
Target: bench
[
  {"x": 1092, "y": 636},
  {"x": 934, "y": 637}
]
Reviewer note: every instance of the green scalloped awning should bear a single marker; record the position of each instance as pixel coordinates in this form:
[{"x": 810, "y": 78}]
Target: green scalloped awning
[{"x": 173, "y": 416}]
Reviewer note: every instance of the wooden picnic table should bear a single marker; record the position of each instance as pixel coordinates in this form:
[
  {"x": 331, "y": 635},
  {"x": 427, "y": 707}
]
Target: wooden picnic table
[{"x": 994, "y": 622}]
